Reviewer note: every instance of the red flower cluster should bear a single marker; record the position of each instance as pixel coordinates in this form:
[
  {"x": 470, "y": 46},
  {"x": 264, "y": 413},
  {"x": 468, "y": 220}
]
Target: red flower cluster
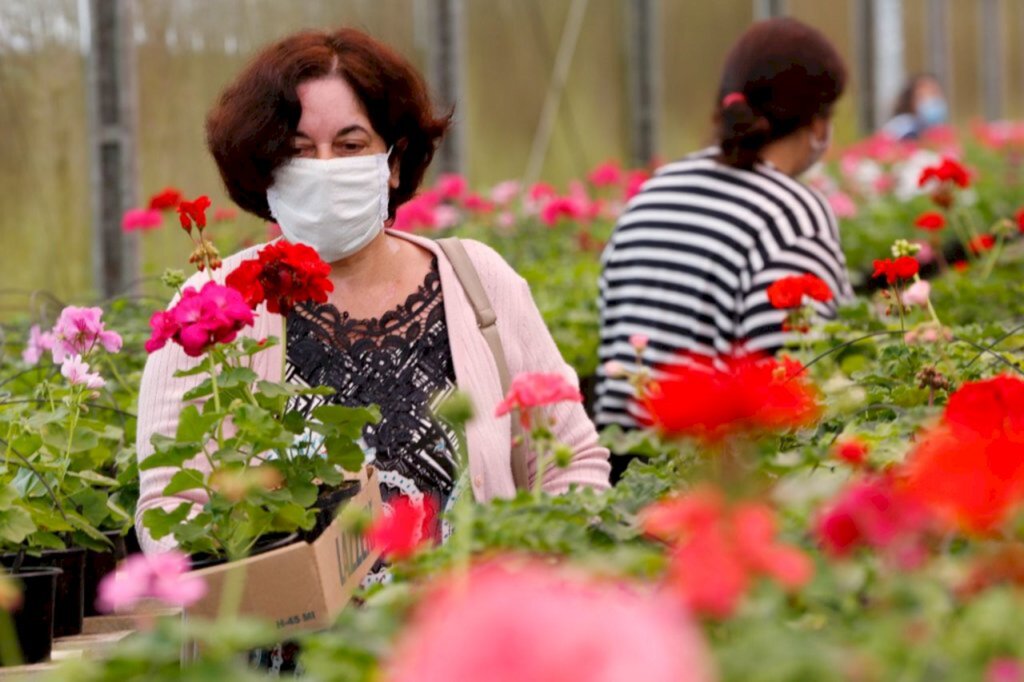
[
  {"x": 853, "y": 451},
  {"x": 536, "y": 390},
  {"x": 716, "y": 551},
  {"x": 282, "y": 274},
  {"x": 932, "y": 221},
  {"x": 789, "y": 292},
  {"x": 948, "y": 171},
  {"x": 193, "y": 212},
  {"x": 874, "y": 512},
  {"x": 404, "y": 528},
  {"x": 969, "y": 468},
  {"x": 166, "y": 199},
  {"x": 200, "y": 319},
  {"x": 714, "y": 399},
  {"x": 904, "y": 267}
]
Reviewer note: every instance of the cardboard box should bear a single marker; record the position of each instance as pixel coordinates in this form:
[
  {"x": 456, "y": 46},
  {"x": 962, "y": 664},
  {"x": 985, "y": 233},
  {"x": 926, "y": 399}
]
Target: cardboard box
[{"x": 303, "y": 586}]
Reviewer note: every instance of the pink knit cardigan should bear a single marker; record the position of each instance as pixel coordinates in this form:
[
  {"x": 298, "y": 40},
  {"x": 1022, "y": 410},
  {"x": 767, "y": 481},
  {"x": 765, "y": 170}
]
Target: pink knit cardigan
[{"x": 528, "y": 348}]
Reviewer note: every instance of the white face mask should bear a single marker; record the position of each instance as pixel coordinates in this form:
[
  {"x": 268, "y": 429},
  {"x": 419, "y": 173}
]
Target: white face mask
[{"x": 336, "y": 206}]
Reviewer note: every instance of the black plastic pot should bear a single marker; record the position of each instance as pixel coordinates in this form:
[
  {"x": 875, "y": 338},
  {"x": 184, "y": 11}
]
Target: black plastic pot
[
  {"x": 69, "y": 609},
  {"x": 99, "y": 565},
  {"x": 33, "y": 622},
  {"x": 265, "y": 544},
  {"x": 327, "y": 505}
]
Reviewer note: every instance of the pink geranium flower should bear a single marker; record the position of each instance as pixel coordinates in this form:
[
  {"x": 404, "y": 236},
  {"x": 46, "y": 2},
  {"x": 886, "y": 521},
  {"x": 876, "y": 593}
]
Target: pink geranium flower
[
  {"x": 635, "y": 182},
  {"x": 200, "y": 319},
  {"x": 451, "y": 186},
  {"x": 141, "y": 219},
  {"x": 76, "y": 371},
  {"x": 532, "y": 390},
  {"x": 842, "y": 205},
  {"x": 508, "y": 621},
  {"x": 608, "y": 174},
  {"x": 917, "y": 293},
  {"x": 503, "y": 193},
  {"x": 79, "y": 330},
  {"x": 157, "y": 576},
  {"x": 38, "y": 343},
  {"x": 575, "y": 208},
  {"x": 403, "y": 528}
]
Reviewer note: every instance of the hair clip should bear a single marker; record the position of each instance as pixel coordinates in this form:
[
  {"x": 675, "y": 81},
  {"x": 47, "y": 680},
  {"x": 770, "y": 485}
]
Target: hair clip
[{"x": 733, "y": 98}]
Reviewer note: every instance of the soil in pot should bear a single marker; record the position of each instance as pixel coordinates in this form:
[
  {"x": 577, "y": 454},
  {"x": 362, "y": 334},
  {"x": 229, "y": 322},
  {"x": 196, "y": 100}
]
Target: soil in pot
[
  {"x": 33, "y": 622},
  {"x": 70, "y": 605},
  {"x": 99, "y": 565},
  {"x": 327, "y": 504},
  {"x": 267, "y": 543}
]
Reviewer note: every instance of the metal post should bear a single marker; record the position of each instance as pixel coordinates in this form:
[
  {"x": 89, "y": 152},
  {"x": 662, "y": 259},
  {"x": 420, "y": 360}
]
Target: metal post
[
  {"x": 937, "y": 42},
  {"x": 879, "y": 25},
  {"x": 106, "y": 27},
  {"x": 768, "y": 9},
  {"x": 446, "y": 59},
  {"x": 991, "y": 41},
  {"x": 644, "y": 78}
]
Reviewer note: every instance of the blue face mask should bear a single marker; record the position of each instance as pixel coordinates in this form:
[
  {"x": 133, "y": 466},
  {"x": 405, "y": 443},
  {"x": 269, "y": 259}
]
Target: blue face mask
[{"x": 932, "y": 112}]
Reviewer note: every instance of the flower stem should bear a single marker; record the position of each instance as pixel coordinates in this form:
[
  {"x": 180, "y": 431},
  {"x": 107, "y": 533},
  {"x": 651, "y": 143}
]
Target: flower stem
[
  {"x": 10, "y": 651},
  {"x": 990, "y": 264},
  {"x": 216, "y": 399}
]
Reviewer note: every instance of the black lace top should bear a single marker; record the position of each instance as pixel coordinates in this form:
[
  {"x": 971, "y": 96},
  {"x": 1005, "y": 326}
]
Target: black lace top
[{"x": 402, "y": 362}]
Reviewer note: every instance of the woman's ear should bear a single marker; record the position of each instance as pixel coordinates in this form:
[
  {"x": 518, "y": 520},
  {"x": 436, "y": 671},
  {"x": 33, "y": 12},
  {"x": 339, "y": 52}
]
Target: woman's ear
[{"x": 395, "y": 163}]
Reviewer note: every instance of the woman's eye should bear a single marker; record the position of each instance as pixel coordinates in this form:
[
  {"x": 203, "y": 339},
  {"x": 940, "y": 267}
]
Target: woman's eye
[
  {"x": 302, "y": 151},
  {"x": 350, "y": 147}
]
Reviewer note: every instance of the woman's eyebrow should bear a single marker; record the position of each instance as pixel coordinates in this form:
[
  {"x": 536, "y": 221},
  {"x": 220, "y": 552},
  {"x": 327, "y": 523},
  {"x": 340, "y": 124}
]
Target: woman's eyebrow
[{"x": 351, "y": 129}]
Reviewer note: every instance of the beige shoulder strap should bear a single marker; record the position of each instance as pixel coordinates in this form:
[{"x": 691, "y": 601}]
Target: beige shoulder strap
[{"x": 486, "y": 320}]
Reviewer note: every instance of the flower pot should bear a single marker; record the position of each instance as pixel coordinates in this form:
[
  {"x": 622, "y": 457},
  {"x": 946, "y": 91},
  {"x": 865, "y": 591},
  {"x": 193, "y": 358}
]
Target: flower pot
[
  {"x": 33, "y": 622},
  {"x": 265, "y": 544},
  {"x": 98, "y": 565},
  {"x": 69, "y": 609},
  {"x": 327, "y": 504}
]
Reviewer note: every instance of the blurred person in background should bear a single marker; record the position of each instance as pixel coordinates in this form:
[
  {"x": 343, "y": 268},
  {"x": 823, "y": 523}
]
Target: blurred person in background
[
  {"x": 921, "y": 106},
  {"x": 687, "y": 267}
]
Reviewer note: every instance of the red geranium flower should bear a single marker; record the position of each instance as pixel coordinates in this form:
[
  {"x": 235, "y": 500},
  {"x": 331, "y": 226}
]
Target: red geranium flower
[
  {"x": 404, "y": 528},
  {"x": 904, "y": 267},
  {"x": 716, "y": 550},
  {"x": 712, "y": 400},
  {"x": 948, "y": 171},
  {"x": 982, "y": 243},
  {"x": 1020, "y": 219},
  {"x": 789, "y": 292},
  {"x": 536, "y": 389},
  {"x": 193, "y": 212},
  {"x": 969, "y": 468},
  {"x": 165, "y": 199},
  {"x": 283, "y": 274},
  {"x": 931, "y": 221},
  {"x": 853, "y": 451}
]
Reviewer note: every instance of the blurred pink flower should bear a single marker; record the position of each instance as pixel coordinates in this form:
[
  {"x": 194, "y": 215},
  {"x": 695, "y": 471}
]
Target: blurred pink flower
[
  {"x": 505, "y": 192},
  {"x": 200, "y": 319},
  {"x": 639, "y": 341},
  {"x": 511, "y": 621},
  {"x": 418, "y": 213},
  {"x": 540, "y": 191},
  {"x": 572, "y": 208},
  {"x": 451, "y": 186},
  {"x": 842, "y": 205},
  {"x": 403, "y": 527},
  {"x": 614, "y": 369},
  {"x": 273, "y": 231},
  {"x": 634, "y": 183},
  {"x": 155, "y": 576},
  {"x": 141, "y": 219},
  {"x": 38, "y": 343},
  {"x": 917, "y": 293},
  {"x": 608, "y": 174},
  {"x": 535, "y": 390},
  {"x": 477, "y": 204},
  {"x": 76, "y": 371},
  {"x": 80, "y": 330},
  {"x": 925, "y": 253},
  {"x": 874, "y": 512},
  {"x": 506, "y": 219},
  {"x": 1005, "y": 670},
  {"x": 446, "y": 217}
]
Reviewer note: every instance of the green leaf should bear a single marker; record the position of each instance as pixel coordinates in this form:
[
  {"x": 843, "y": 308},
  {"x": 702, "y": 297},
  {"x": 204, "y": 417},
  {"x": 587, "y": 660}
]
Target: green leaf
[
  {"x": 93, "y": 477},
  {"x": 303, "y": 493},
  {"x": 341, "y": 415},
  {"x": 185, "y": 479},
  {"x": 15, "y": 525},
  {"x": 344, "y": 452},
  {"x": 234, "y": 377},
  {"x": 194, "y": 426},
  {"x": 93, "y": 505},
  {"x": 292, "y": 516},
  {"x": 160, "y": 523},
  {"x": 169, "y": 453}
]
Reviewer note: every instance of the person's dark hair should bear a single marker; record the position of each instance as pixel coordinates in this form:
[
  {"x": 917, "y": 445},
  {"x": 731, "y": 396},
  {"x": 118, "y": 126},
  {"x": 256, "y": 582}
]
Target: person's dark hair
[
  {"x": 249, "y": 130},
  {"x": 778, "y": 77},
  {"x": 905, "y": 101}
]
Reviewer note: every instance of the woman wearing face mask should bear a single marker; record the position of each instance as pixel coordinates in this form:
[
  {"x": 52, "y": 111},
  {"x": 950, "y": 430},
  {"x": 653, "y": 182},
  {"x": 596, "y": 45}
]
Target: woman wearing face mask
[
  {"x": 328, "y": 134},
  {"x": 691, "y": 258},
  {"x": 921, "y": 106}
]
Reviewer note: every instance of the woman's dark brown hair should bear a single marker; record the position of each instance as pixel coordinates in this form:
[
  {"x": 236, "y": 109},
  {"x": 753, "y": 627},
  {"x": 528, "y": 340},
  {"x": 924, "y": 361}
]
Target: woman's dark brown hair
[
  {"x": 249, "y": 131},
  {"x": 788, "y": 74}
]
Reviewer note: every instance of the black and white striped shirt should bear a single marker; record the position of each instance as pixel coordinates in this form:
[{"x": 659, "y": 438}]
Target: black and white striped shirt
[{"x": 691, "y": 258}]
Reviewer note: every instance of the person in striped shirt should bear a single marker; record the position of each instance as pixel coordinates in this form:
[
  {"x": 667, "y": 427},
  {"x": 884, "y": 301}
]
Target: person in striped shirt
[{"x": 691, "y": 257}]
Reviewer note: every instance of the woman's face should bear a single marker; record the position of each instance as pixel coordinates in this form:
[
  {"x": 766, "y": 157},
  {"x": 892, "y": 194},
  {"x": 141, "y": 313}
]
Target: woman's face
[{"x": 333, "y": 123}]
